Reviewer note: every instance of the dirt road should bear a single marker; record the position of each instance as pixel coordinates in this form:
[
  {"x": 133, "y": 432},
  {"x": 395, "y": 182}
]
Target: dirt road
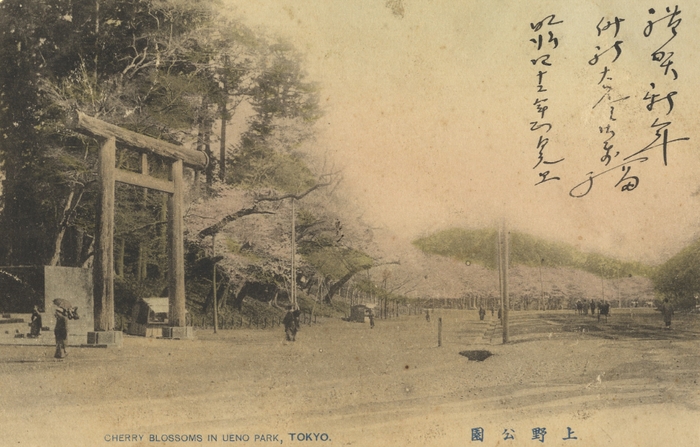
[{"x": 624, "y": 382}]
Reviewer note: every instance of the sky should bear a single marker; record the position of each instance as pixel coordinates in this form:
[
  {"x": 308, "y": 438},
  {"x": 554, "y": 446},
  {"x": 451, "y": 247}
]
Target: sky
[{"x": 428, "y": 111}]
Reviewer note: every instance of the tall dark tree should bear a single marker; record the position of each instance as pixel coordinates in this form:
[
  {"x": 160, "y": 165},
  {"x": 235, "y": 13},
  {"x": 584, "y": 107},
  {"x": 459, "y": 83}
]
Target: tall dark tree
[
  {"x": 134, "y": 63},
  {"x": 679, "y": 278}
]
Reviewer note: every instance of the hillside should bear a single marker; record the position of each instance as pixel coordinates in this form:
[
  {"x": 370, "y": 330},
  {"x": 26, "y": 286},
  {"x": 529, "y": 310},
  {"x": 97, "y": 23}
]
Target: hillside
[{"x": 461, "y": 263}]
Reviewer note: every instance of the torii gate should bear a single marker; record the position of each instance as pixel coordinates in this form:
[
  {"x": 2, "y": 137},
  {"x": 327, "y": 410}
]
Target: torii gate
[{"x": 103, "y": 264}]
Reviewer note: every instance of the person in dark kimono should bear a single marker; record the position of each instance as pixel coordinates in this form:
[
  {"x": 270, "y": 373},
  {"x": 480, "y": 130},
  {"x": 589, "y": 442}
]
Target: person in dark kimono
[
  {"x": 61, "y": 333},
  {"x": 667, "y": 312},
  {"x": 371, "y": 319},
  {"x": 291, "y": 323},
  {"x": 482, "y": 313},
  {"x": 35, "y": 324},
  {"x": 603, "y": 310},
  {"x": 297, "y": 322}
]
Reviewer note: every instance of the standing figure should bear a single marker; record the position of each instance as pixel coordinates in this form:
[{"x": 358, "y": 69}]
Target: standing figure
[
  {"x": 35, "y": 325},
  {"x": 667, "y": 312},
  {"x": 427, "y": 315},
  {"x": 592, "y": 308},
  {"x": 482, "y": 313},
  {"x": 61, "y": 333},
  {"x": 371, "y": 319},
  {"x": 603, "y": 310},
  {"x": 296, "y": 313},
  {"x": 291, "y": 324}
]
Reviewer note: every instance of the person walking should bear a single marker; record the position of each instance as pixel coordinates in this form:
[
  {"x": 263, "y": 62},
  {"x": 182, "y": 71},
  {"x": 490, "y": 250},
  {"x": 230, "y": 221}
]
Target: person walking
[
  {"x": 667, "y": 312},
  {"x": 61, "y": 333},
  {"x": 291, "y": 324}
]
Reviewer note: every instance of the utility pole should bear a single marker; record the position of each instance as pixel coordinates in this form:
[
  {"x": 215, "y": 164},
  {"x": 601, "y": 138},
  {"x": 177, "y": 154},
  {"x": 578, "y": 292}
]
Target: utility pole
[
  {"x": 499, "y": 250},
  {"x": 541, "y": 286},
  {"x": 503, "y": 264},
  {"x": 619, "y": 297},
  {"x": 602, "y": 287},
  {"x": 213, "y": 283},
  {"x": 294, "y": 249}
]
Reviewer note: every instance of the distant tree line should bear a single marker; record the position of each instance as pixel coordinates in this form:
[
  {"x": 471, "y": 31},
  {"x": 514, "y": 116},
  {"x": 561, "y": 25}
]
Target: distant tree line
[
  {"x": 677, "y": 279},
  {"x": 479, "y": 246}
]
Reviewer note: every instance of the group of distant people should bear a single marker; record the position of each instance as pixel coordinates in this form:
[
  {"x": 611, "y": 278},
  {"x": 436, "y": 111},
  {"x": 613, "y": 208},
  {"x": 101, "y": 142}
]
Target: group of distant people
[{"x": 602, "y": 306}]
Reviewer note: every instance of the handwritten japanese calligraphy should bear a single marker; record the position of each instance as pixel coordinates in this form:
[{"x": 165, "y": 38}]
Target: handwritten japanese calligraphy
[
  {"x": 657, "y": 101},
  {"x": 545, "y": 41}
]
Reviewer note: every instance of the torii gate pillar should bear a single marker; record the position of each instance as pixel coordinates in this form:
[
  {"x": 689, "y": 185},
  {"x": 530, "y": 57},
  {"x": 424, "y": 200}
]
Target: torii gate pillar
[
  {"x": 176, "y": 280},
  {"x": 103, "y": 264}
]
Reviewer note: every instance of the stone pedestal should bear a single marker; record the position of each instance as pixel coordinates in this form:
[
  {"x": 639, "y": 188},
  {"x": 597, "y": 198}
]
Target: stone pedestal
[
  {"x": 106, "y": 339},
  {"x": 179, "y": 333}
]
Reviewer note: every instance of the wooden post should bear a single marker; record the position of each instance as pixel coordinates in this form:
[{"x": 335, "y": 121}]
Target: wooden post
[
  {"x": 503, "y": 236},
  {"x": 142, "y": 264},
  {"x": 103, "y": 268},
  {"x": 439, "y": 332},
  {"x": 602, "y": 288},
  {"x": 499, "y": 249},
  {"x": 176, "y": 272},
  {"x": 163, "y": 229},
  {"x": 213, "y": 281},
  {"x": 541, "y": 285},
  {"x": 143, "y": 249},
  {"x": 294, "y": 249}
]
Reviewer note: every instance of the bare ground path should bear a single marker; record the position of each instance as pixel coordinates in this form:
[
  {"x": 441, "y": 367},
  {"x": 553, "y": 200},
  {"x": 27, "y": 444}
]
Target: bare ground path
[{"x": 610, "y": 382}]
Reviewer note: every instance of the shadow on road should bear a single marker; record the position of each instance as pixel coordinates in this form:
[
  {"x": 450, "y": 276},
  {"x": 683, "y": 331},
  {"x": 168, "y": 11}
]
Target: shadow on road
[{"x": 645, "y": 326}]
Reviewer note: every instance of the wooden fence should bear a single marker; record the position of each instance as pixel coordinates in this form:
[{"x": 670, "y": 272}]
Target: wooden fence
[{"x": 242, "y": 322}]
